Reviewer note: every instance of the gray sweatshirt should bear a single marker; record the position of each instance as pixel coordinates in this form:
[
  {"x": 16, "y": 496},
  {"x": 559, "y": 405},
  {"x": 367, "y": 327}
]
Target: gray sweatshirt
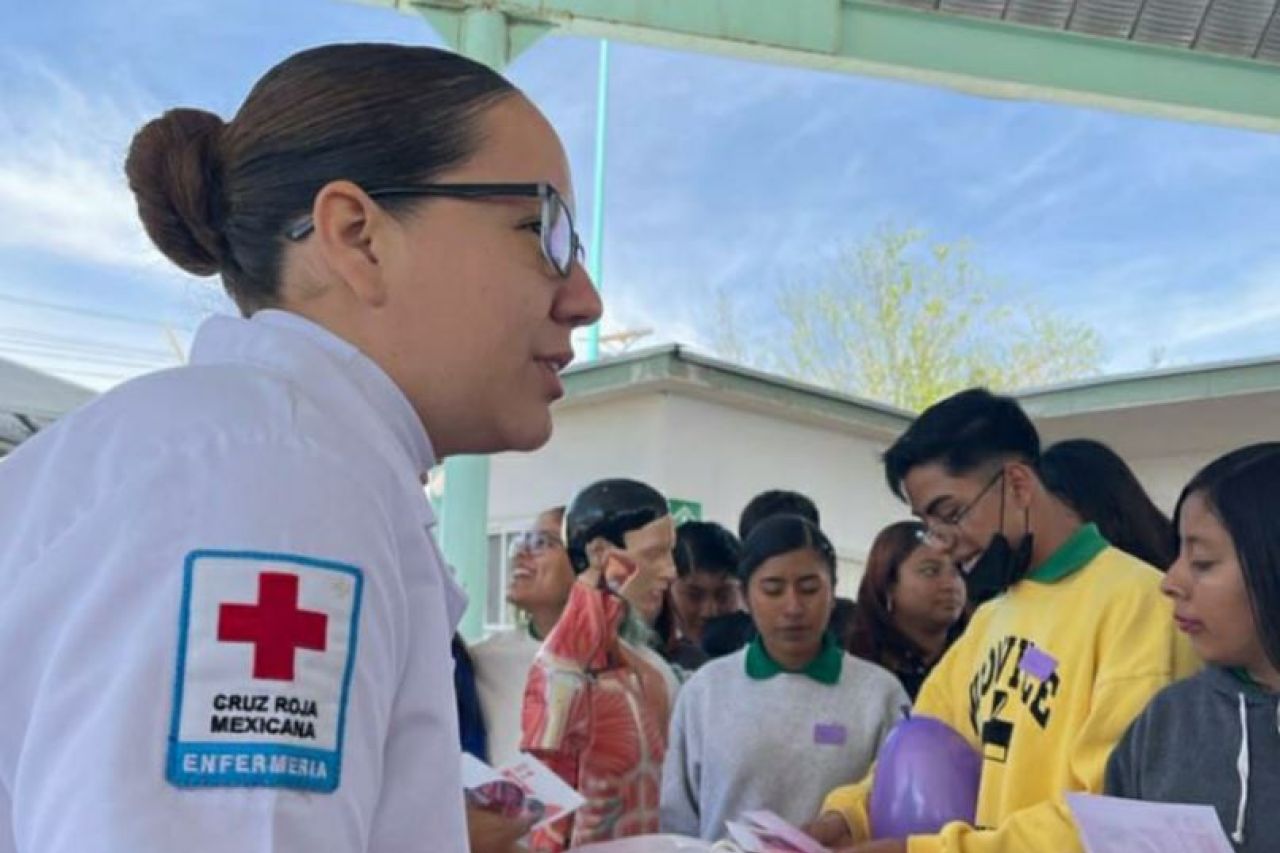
[
  {"x": 781, "y": 744},
  {"x": 1210, "y": 739}
]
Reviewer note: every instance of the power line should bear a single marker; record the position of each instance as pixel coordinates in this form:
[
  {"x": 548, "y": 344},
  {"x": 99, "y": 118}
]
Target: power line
[
  {"x": 118, "y": 375},
  {"x": 76, "y": 357},
  {"x": 95, "y": 374},
  {"x": 44, "y": 339},
  {"x": 87, "y": 350},
  {"x": 90, "y": 312}
]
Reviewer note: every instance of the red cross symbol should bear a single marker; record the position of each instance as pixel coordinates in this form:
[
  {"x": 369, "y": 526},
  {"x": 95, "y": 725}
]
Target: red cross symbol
[{"x": 275, "y": 626}]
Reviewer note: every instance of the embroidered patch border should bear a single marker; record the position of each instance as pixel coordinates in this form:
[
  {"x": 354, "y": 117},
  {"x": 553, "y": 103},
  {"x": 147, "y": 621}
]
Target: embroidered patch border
[{"x": 270, "y": 759}]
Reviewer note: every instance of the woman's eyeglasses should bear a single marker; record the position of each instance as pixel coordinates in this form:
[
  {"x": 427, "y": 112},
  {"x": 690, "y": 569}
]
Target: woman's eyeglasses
[{"x": 556, "y": 234}]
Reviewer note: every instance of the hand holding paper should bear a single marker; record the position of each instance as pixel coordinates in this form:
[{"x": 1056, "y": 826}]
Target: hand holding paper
[{"x": 526, "y": 789}]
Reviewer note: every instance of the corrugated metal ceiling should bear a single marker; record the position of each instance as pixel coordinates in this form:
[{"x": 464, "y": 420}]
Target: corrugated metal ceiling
[{"x": 1247, "y": 29}]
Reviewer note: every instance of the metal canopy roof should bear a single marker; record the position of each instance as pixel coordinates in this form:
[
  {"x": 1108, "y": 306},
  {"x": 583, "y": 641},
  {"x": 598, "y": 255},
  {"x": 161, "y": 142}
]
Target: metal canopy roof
[
  {"x": 29, "y": 392},
  {"x": 1215, "y": 61},
  {"x": 30, "y": 400},
  {"x": 1242, "y": 28}
]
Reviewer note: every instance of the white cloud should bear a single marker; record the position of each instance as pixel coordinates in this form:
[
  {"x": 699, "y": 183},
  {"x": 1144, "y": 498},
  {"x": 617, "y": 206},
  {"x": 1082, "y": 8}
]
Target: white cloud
[
  {"x": 629, "y": 308},
  {"x": 1184, "y": 302},
  {"x": 1041, "y": 173},
  {"x": 62, "y": 184},
  {"x": 1219, "y": 317}
]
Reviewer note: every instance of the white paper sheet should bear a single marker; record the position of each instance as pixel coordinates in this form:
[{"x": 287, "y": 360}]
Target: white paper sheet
[
  {"x": 651, "y": 844},
  {"x": 536, "y": 779},
  {"x": 1114, "y": 825},
  {"x": 762, "y": 831}
]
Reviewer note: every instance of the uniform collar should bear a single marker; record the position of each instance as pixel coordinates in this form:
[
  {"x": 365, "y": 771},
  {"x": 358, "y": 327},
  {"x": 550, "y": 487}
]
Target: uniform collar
[
  {"x": 1241, "y": 675},
  {"x": 824, "y": 668},
  {"x": 320, "y": 362},
  {"x": 1074, "y": 554}
]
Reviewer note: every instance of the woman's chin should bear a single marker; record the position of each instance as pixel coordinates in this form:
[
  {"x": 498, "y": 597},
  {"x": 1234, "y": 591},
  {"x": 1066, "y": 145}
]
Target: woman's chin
[{"x": 528, "y": 433}]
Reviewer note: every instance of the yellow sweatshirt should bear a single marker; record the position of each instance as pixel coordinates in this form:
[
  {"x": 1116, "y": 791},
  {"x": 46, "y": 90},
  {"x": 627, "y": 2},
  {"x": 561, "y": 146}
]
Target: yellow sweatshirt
[{"x": 1043, "y": 683}]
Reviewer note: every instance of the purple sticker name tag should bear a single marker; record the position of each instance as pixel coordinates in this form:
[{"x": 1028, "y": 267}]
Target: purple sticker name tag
[
  {"x": 830, "y": 734},
  {"x": 1037, "y": 663}
]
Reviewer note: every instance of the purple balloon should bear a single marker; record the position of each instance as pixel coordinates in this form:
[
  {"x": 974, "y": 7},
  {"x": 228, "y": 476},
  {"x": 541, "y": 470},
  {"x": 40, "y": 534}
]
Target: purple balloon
[{"x": 926, "y": 777}]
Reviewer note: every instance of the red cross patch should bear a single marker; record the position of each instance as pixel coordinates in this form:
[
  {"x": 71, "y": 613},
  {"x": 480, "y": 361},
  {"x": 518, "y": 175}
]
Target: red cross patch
[
  {"x": 274, "y": 625},
  {"x": 266, "y": 649}
]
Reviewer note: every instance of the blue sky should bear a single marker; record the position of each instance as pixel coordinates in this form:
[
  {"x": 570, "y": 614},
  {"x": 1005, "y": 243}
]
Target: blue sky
[{"x": 723, "y": 176}]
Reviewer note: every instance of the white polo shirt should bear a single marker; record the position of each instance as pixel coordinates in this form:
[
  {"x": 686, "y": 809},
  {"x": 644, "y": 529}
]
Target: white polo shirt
[{"x": 224, "y": 622}]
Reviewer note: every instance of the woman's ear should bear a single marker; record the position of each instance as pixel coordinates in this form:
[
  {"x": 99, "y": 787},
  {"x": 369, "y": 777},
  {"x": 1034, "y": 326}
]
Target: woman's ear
[{"x": 349, "y": 235}]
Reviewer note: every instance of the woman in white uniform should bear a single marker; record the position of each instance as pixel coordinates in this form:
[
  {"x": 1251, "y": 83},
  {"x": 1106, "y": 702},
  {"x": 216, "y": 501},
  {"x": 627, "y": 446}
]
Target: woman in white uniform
[{"x": 225, "y": 620}]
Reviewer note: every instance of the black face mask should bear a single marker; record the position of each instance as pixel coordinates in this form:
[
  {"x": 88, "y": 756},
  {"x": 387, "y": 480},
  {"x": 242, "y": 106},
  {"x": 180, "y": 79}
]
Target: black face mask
[{"x": 999, "y": 568}]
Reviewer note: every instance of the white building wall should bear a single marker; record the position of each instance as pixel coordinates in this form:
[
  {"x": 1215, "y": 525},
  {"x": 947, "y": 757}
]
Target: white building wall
[
  {"x": 699, "y": 450},
  {"x": 723, "y": 456},
  {"x": 1167, "y": 444},
  {"x": 720, "y": 455},
  {"x": 615, "y": 438},
  {"x": 1165, "y": 476}
]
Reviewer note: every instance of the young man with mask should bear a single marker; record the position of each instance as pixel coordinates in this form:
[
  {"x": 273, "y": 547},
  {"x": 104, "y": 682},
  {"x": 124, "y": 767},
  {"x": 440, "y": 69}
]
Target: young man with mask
[{"x": 1073, "y": 640}]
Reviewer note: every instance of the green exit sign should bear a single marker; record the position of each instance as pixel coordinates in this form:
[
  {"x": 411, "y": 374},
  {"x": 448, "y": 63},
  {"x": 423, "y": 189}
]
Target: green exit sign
[{"x": 682, "y": 511}]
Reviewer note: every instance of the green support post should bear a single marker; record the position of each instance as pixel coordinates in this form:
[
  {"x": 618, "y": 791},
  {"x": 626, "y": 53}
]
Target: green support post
[
  {"x": 596, "y": 262},
  {"x": 464, "y": 534}
]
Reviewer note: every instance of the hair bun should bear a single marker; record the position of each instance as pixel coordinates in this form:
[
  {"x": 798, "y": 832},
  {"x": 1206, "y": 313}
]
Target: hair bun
[{"x": 175, "y": 171}]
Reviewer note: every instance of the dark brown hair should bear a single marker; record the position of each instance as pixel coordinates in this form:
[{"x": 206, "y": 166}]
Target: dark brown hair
[
  {"x": 874, "y": 636},
  {"x": 704, "y": 546},
  {"x": 1100, "y": 487},
  {"x": 216, "y": 197},
  {"x": 1240, "y": 489},
  {"x": 776, "y": 502},
  {"x": 783, "y": 534}
]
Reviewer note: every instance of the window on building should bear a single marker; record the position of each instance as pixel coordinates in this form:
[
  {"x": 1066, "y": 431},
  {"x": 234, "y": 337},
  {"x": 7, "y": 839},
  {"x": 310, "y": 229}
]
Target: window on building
[{"x": 499, "y": 615}]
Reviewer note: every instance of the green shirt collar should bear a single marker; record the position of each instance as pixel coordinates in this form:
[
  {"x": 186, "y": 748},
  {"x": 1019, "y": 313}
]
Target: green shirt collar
[
  {"x": 1076, "y": 553},
  {"x": 825, "y": 668},
  {"x": 1242, "y": 675}
]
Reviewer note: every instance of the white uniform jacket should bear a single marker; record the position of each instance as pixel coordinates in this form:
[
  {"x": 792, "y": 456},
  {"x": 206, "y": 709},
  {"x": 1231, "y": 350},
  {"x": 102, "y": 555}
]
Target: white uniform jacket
[{"x": 224, "y": 622}]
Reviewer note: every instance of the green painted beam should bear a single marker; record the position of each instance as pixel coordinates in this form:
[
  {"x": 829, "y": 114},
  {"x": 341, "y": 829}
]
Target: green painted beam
[
  {"x": 483, "y": 34},
  {"x": 806, "y": 25},
  {"x": 986, "y": 57},
  {"x": 1010, "y": 60}
]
